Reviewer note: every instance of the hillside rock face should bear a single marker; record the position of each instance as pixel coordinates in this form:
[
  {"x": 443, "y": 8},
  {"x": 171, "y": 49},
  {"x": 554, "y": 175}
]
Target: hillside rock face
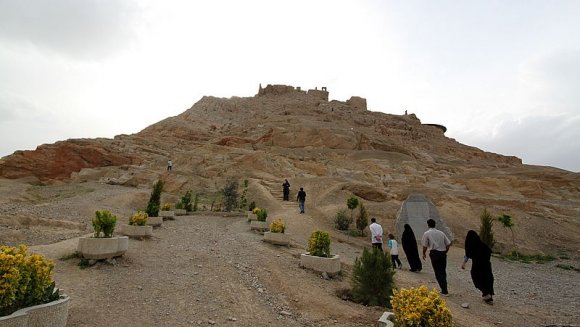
[{"x": 333, "y": 149}]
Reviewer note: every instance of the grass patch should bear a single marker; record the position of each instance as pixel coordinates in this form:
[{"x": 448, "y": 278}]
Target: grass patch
[
  {"x": 528, "y": 258},
  {"x": 568, "y": 267}
]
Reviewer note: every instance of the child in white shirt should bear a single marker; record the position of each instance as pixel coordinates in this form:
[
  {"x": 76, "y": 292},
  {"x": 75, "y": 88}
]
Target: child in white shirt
[{"x": 394, "y": 246}]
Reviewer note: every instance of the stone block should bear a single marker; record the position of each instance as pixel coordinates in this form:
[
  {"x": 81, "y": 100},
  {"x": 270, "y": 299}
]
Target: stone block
[
  {"x": 329, "y": 265},
  {"x": 180, "y": 212},
  {"x": 277, "y": 238},
  {"x": 136, "y": 231},
  {"x": 155, "y": 221},
  {"x": 260, "y": 226},
  {"x": 386, "y": 320},
  {"x": 53, "y": 314},
  {"x": 102, "y": 247}
]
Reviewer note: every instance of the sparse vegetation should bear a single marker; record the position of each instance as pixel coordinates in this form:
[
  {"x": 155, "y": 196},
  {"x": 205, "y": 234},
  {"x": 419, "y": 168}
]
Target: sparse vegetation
[
  {"x": 104, "y": 222},
  {"x": 352, "y": 203},
  {"x": 319, "y": 244},
  {"x": 155, "y": 200},
  {"x": 485, "y": 228},
  {"x": 186, "y": 201},
  {"x": 166, "y": 206},
  {"x": 230, "y": 193},
  {"x": 362, "y": 221},
  {"x": 252, "y": 206},
  {"x": 567, "y": 267},
  {"x": 342, "y": 220},
  {"x": 196, "y": 202},
  {"x": 138, "y": 219},
  {"x": 243, "y": 198},
  {"x": 277, "y": 226},
  {"x": 262, "y": 214},
  {"x": 514, "y": 255},
  {"x": 507, "y": 222},
  {"x": 372, "y": 278}
]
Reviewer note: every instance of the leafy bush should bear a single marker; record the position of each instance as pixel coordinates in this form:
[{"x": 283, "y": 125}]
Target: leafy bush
[
  {"x": 352, "y": 203},
  {"x": 256, "y": 210},
  {"x": 138, "y": 219},
  {"x": 252, "y": 206},
  {"x": 342, "y": 220},
  {"x": 104, "y": 222},
  {"x": 262, "y": 215},
  {"x": 166, "y": 206},
  {"x": 230, "y": 193},
  {"x": 155, "y": 200},
  {"x": 26, "y": 280},
  {"x": 485, "y": 229},
  {"x": 419, "y": 307},
  {"x": 186, "y": 201},
  {"x": 277, "y": 226},
  {"x": 179, "y": 205},
  {"x": 319, "y": 244},
  {"x": 372, "y": 278},
  {"x": 362, "y": 221},
  {"x": 507, "y": 222}
]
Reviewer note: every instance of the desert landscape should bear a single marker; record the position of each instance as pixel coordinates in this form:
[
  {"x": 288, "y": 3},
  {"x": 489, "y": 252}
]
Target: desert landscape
[{"x": 210, "y": 269}]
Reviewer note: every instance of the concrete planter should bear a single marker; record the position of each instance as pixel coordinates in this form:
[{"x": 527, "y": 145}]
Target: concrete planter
[
  {"x": 277, "y": 238},
  {"x": 53, "y": 314},
  {"x": 180, "y": 212},
  {"x": 102, "y": 248},
  {"x": 260, "y": 226},
  {"x": 252, "y": 216},
  {"x": 155, "y": 221},
  {"x": 329, "y": 265},
  {"x": 167, "y": 215},
  {"x": 135, "y": 231}
]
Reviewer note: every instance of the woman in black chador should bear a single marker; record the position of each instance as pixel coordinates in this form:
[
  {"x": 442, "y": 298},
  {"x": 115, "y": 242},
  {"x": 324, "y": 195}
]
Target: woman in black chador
[
  {"x": 410, "y": 247},
  {"x": 481, "y": 273}
]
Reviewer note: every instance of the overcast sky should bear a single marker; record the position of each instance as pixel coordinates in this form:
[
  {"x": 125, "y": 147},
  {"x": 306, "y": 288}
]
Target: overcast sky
[{"x": 501, "y": 75}]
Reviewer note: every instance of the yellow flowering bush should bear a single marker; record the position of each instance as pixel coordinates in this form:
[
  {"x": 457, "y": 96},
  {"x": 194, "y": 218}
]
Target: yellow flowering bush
[
  {"x": 420, "y": 307},
  {"x": 277, "y": 226},
  {"x": 26, "y": 279},
  {"x": 256, "y": 210},
  {"x": 139, "y": 219},
  {"x": 166, "y": 207},
  {"x": 319, "y": 244}
]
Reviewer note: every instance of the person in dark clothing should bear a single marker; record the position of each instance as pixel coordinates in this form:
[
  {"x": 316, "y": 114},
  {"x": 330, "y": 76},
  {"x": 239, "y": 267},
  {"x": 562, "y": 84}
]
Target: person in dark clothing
[
  {"x": 481, "y": 273},
  {"x": 301, "y": 197},
  {"x": 409, "y": 243},
  {"x": 286, "y": 189}
]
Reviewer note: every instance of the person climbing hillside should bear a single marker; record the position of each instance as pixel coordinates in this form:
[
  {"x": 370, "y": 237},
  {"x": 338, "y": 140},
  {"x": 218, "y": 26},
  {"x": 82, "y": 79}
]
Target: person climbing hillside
[
  {"x": 169, "y": 165},
  {"x": 286, "y": 190},
  {"x": 301, "y": 197},
  {"x": 376, "y": 234},
  {"x": 394, "y": 246}
]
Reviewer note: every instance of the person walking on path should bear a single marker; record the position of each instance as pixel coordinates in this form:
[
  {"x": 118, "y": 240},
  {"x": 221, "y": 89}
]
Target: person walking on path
[
  {"x": 481, "y": 274},
  {"x": 286, "y": 189},
  {"x": 376, "y": 234},
  {"x": 301, "y": 197},
  {"x": 169, "y": 165},
  {"x": 438, "y": 244},
  {"x": 394, "y": 246},
  {"x": 409, "y": 243}
]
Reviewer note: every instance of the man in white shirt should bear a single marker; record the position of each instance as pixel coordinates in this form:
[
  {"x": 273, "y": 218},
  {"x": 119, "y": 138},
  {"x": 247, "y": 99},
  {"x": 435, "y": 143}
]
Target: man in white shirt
[
  {"x": 438, "y": 244},
  {"x": 376, "y": 234}
]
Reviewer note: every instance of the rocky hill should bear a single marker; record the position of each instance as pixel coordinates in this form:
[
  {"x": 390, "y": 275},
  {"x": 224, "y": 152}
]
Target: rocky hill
[{"x": 333, "y": 149}]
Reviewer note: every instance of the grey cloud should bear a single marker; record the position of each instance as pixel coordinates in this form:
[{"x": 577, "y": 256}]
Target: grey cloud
[{"x": 85, "y": 30}]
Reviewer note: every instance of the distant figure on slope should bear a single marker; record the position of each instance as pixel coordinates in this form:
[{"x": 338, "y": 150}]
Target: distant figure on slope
[
  {"x": 409, "y": 243},
  {"x": 376, "y": 234},
  {"x": 438, "y": 244},
  {"x": 394, "y": 246},
  {"x": 169, "y": 165},
  {"x": 286, "y": 189},
  {"x": 481, "y": 273},
  {"x": 301, "y": 197}
]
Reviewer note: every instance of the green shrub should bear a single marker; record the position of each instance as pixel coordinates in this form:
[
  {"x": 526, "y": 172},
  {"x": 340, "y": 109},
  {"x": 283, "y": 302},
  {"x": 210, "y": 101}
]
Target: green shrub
[
  {"x": 243, "y": 198},
  {"x": 155, "y": 200},
  {"x": 26, "y": 280},
  {"x": 514, "y": 255},
  {"x": 485, "y": 229},
  {"x": 372, "y": 278},
  {"x": 352, "y": 203},
  {"x": 166, "y": 206},
  {"x": 138, "y": 219},
  {"x": 342, "y": 221},
  {"x": 230, "y": 193},
  {"x": 104, "y": 222},
  {"x": 196, "y": 202},
  {"x": 362, "y": 221},
  {"x": 420, "y": 307},
  {"x": 319, "y": 244},
  {"x": 262, "y": 214},
  {"x": 252, "y": 206},
  {"x": 179, "y": 205},
  {"x": 277, "y": 226},
  {"x": 186, "y": 200}
]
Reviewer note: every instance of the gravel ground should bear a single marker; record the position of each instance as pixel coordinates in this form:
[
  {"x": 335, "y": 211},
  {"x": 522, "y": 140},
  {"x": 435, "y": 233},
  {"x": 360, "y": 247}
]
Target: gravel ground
[{"x": 211, "y": 270}]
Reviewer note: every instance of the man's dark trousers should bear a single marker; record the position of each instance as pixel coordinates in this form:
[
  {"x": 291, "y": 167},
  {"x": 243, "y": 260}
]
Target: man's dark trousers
[{"x": 439, "y": 263}]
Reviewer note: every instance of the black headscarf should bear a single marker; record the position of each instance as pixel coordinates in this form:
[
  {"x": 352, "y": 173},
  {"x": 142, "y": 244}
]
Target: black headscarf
[{"x": 474, "y": 247}]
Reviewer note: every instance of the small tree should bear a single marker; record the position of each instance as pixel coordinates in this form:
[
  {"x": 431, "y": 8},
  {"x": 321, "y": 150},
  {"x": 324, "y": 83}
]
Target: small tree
[
  {"x": 362, "y": 221},
  {"x": 485, "y": 229},
  {"x": 186, "y": 201},
  {"x": 352, "y": 203},
  {"x": 155, "y": 200},
  {"x": 507, "y": 222},
  {"x": 342, "y": 221},
  {"x": 196, "y": 202},
  {"x": 230, "y": 193},
  {"x": 319, "y": 244},
  {"x": 243, "y": 198},
  {"x": 372, "y": 278}
]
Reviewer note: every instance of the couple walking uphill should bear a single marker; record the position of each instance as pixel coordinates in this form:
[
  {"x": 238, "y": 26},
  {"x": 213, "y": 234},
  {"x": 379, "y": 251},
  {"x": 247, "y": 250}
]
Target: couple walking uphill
[
  {"x": 300, "y": 197},
  {"x": 377, "y": 242},
  {"x": 481, "y": 274}
]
